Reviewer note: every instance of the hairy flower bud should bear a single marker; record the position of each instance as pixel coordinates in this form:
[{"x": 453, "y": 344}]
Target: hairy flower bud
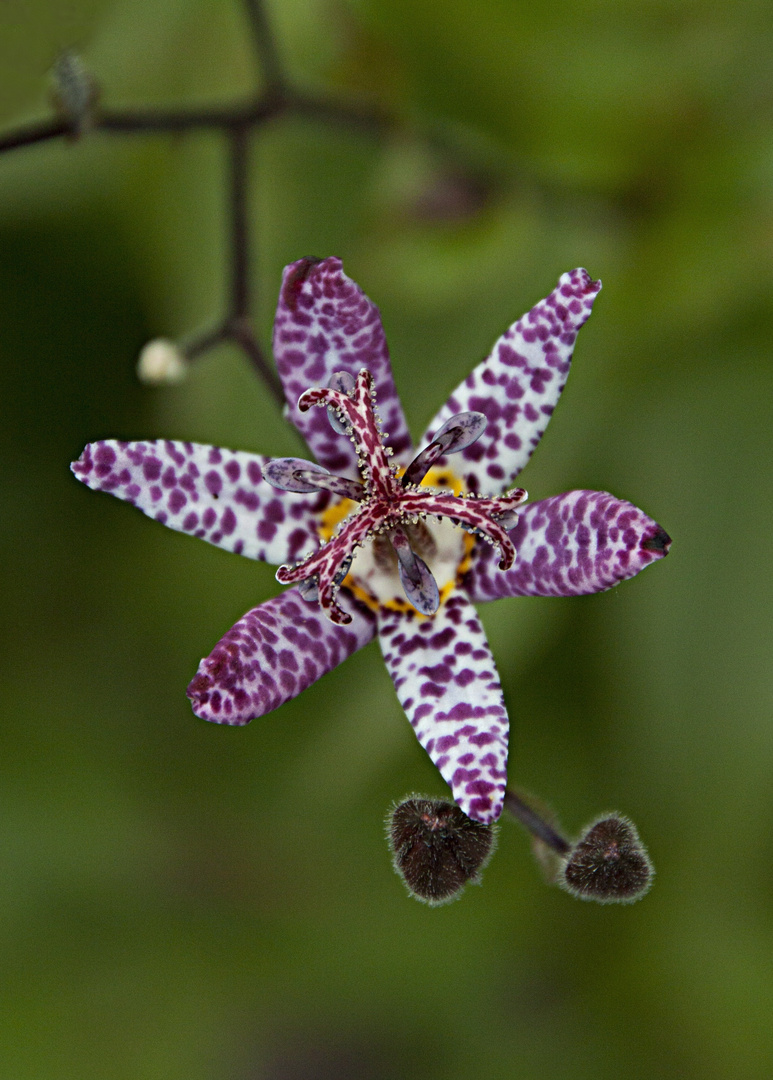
[
  {"x": 436, "y": 848},
  {"x": 609, "y": 863}
]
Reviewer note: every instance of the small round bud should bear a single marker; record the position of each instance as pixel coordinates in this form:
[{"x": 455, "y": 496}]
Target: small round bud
[
  {"x": 74, "y": 92},
  {"x": 609, "y": 863},
  {"x": 161, "y": 363},
  {"x": 436, "y": 848}
]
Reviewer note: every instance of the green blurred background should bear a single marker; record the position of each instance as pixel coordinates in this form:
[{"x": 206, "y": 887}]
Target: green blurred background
[{"x": 180, "y": 901}]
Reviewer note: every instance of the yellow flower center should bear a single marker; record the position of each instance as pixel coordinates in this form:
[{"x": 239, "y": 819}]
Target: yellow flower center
[{"x": 374, "y": 579}]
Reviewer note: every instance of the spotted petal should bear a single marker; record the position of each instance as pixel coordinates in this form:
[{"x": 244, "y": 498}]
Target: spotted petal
[
  {"x": 447, "y": 683},
  {"x": 518, "y": 385},
  {"x": 271, "y": 655},
  {"x": 569, "y": 545},
  {"x": 218, "y": 495},
  {"x": 326, "y": 324}
]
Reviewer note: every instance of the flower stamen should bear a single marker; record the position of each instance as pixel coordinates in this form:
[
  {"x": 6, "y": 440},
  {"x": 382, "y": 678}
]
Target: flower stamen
[
  {"x": 389, "y": 507},
  {"x": 415, "y": 576},
  {"x": 295, "y": 474},
  {"x": 456, "y": 434},
  {"x": 343, "y": 382}
]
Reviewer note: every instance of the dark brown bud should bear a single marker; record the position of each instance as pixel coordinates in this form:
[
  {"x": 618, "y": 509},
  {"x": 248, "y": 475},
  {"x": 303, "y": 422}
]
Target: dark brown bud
[
  {"x": 609, "y": 863},
  {"x": 436, "y": 848}
]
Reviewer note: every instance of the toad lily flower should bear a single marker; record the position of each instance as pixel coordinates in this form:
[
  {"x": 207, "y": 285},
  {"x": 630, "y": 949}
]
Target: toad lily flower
[{"x": 376, "y": 539}]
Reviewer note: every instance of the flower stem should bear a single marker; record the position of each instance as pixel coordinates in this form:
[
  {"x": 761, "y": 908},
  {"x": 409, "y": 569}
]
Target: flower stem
[{"x": 536, "y": 825}]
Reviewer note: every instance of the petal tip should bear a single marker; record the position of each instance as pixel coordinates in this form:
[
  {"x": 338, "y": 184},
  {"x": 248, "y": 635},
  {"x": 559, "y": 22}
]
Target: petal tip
[
  {"x": 209, "y": 703},
  {"x": 294, "y": 277},
  {"x": 581, "y": 280},
  {"x": 83, "y": 464},
  {"x": 296, "y": 274},
  {"x": 577, "y": 286},
  {"x": 658, "y": 543},
  {"x": 486, "y": 810}
]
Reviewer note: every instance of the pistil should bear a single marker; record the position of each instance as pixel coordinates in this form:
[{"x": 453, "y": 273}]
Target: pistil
[{"x": 390, "y": 509}]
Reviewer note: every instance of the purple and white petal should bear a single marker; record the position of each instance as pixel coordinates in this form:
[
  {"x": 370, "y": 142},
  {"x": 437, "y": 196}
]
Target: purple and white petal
[
  {"x": 271, "y": 655},
  {"x": 570, "y": 545},
  {"x": 518, "y": 385},
  {"x": 447, "y": 683},
  {"x": 217, "y": 495},
  {"x": 325, "y": 324}
]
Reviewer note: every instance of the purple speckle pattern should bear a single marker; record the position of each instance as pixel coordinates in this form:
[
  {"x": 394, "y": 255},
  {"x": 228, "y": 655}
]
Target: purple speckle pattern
[
  {"x": 325, "y": 324},
  {"x": 217, "y": 495},
  {"x": 271, "y": 655},
  {"x": 570, "y": 545},
  {"x": 442, "y": 668},
  {"x": 447, "y": 683},
  {"x": 518, "y": 385}
]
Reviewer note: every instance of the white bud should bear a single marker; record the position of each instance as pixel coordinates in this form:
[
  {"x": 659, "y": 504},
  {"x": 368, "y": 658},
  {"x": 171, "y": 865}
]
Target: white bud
[
  {"x": 161, "y": 363},
  {"x": 74, "y": 91}
]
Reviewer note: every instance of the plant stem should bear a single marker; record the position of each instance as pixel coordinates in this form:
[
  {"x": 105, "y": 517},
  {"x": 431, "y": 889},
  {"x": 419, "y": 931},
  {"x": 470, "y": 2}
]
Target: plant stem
[{"x": 536, "y": 825}]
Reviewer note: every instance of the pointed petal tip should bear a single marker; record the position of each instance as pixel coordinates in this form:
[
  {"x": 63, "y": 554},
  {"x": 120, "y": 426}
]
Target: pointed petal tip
[
  {"x": 456, "y": 708},
  {"x": 83, "y": 464},
  {"x": 325, "y": 325},
  {"x": 485, "y": 810},
  {"x": 580, "y": 281},
  {"x": 658, "y": 542},
  {"x": 96, "y": 463},
  {"x": 208, "y": 703},
  {"x": 218, "y": 704},
  {"x": 293, "y": 278},
  {"x": 271, "y": 655}
]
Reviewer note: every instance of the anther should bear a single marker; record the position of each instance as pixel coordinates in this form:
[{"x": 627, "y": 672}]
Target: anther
[
  {"x": 295, "y": 474},
  {"x": 343, "y": 382},
  {"x": 309, "y": 589},
  {"x": 416, "y": 578},
  {"x": 456, "y": 434},
  {"x": 508, "y": 520}
]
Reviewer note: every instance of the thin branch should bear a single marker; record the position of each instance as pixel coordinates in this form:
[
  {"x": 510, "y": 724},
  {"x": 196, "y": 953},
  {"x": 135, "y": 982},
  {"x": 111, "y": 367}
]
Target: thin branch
[
  {"x": 219, "y": 118},
  {"x": 370, "y": 118},
  {"x": 237, "y": 121},
  {"x": 142, "y": 121},
  {"x": 238, "y": 148},
  {"x": 238, "y": 322},
  {"x": 536, "y": 825},
  {"x": 203, "y": 342},
  {"x": 265, "y": 46},
  {"x": 241, "y": 332},
  {"x": 34, "y": 133}
]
